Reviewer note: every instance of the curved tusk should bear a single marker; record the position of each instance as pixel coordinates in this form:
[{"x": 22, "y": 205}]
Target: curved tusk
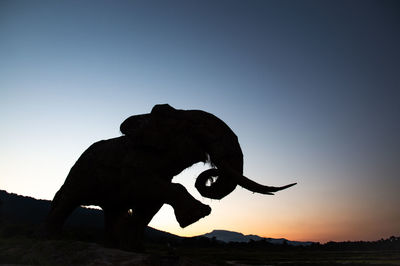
[
  {"x": 258, "y": 188},
  {"x": 251, "y": 185}
]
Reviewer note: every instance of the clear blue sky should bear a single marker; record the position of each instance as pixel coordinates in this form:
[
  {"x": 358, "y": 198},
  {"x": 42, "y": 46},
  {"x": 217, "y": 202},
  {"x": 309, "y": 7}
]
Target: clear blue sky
[{"x": 311, "y": 88}]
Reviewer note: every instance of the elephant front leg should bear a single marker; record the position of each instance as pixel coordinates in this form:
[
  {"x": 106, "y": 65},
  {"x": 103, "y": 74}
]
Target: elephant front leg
[
  {"x": 125, "y": 228},
  {"x": 187, "y": 209},
  {"x": 153, "y": 189},
  {"x": 135, "y": 224}
]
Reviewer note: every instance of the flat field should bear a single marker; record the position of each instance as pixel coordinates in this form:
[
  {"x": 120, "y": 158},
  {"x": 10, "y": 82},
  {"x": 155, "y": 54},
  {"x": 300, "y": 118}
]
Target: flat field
[{"x": 245, "y": 256}]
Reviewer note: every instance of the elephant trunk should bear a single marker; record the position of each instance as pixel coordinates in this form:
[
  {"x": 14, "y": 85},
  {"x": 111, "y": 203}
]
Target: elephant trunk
[
  {"x": 216, "y": 183},
  {"x": 225, "y": 153}
]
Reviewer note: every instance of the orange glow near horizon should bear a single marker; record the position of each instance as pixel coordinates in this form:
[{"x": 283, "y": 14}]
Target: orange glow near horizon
[
  {"x": 317, "y": 233},
  {"x": 330, "y": 218}
]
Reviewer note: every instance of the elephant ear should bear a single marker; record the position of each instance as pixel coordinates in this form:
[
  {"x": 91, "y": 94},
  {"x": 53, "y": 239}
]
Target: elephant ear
[
  {"x": 163, "y": 110},
  {"x": 151, "y": 130},
  {"x": 134, "y": 125}
]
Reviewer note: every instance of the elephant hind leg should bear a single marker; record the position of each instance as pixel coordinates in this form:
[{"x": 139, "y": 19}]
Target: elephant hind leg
[{"x": 61, "y": 207}]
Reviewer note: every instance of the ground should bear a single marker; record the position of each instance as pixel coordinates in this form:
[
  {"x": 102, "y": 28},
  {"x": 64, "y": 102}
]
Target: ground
[
  {"x": 23, "y": 251},
  {"x": 28, "y": 251}
]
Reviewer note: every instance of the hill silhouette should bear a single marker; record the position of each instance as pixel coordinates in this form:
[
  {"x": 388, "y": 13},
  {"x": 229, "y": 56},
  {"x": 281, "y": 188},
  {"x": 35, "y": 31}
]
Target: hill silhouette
[{"x": 22, "y": 210}]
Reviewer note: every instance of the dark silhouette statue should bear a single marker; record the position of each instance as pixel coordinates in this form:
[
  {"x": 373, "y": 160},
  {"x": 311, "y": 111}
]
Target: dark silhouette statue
[{"x": 130, "y": 176}]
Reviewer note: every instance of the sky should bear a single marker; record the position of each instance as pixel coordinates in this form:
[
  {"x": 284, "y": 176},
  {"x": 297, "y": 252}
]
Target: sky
[{"x": 311, "y": 89}]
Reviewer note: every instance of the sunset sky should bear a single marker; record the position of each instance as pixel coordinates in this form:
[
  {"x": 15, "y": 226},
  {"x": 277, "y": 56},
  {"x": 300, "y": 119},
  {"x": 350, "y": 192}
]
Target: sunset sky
[{"x": 311, "y": 89}]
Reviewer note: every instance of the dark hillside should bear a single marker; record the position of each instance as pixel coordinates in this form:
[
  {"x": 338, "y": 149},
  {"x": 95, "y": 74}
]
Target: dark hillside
[
  {"x": 22, "y": 209},
  {"x": 87, "y": 223}
]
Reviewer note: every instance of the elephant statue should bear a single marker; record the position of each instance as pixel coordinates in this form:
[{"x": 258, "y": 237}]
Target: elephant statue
[{"x": 130, "y": 177}]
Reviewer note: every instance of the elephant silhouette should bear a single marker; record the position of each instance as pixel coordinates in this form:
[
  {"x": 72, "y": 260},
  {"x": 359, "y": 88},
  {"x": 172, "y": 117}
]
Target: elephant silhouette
[{"x": 130, "y": 177}]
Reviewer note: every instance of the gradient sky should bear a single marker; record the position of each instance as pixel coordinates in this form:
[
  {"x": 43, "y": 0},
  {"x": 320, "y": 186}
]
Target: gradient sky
[{"x": 311, "y": 88}]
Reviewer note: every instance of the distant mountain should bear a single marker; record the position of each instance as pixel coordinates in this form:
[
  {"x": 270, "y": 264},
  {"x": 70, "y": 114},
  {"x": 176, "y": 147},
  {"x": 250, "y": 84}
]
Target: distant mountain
[{"x": 229, "y": 236}]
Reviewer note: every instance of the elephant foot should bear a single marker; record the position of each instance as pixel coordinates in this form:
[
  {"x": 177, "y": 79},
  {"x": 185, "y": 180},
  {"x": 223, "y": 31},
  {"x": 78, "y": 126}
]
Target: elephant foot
[{"x": 187, "y": 216}]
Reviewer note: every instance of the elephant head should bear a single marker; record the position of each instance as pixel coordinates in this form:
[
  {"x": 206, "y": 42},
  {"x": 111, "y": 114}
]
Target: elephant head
[{"x": 203, "y": 137}]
